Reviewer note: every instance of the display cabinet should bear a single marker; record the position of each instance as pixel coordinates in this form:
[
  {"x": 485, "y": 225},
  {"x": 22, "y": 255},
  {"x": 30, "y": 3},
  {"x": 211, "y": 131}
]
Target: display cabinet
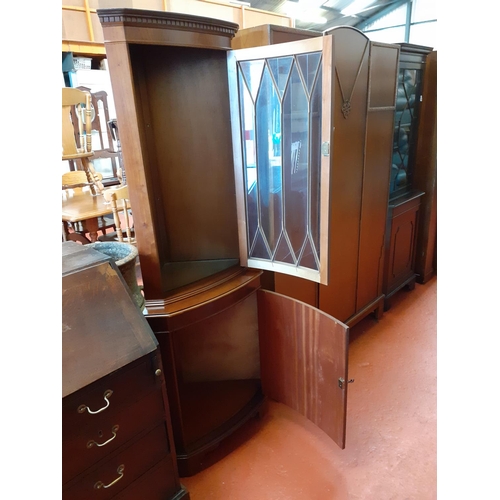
[
  {"x": 406, "y": 183},
  {"x": 212, "y": 208},
  {"x": 117, "y": 437}
]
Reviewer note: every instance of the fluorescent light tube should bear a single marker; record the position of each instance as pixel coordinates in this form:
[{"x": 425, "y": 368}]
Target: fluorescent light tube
[
  {"x": 356, "y": 7},
  {"x": 303, "y": 12}
]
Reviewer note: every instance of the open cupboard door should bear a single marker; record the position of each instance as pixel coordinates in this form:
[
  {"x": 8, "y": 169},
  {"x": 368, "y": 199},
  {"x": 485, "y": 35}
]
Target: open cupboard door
[
  {"x": 303, "y": 357},
  {"x": 281, "y": 118}
]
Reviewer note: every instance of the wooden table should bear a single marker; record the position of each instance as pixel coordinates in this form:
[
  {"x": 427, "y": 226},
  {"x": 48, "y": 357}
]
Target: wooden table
[{"x": 86, "y": 209}]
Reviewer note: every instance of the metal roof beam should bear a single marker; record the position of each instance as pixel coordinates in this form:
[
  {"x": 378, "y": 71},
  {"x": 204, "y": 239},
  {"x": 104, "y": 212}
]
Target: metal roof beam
[
  {"x": 369, "y": 20},
  {"x": 337, "y": 12}
]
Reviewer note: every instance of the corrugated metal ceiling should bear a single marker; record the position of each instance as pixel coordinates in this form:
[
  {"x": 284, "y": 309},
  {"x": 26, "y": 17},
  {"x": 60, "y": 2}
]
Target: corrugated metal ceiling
[{"x": 330, "y": 10}]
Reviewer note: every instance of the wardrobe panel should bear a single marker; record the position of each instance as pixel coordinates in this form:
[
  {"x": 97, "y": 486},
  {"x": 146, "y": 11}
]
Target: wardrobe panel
[
  {"x": 298, "y": 288},
  {"x": 374, "y": 205},
  {"x": 350, "y": 104},
  {"x": 425, "y": 177},
  {"x": 383, "y": 74},
  {"x": 378, "y": 151}
]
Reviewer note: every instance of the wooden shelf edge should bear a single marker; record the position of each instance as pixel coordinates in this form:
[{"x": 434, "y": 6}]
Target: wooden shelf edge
[{"x": 84, "y": 48}]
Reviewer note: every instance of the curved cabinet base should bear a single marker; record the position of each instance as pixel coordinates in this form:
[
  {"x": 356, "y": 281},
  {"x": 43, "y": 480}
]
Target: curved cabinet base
[
  {"x": 200, "y": 455},
  {"x": 209, "y": 341}
]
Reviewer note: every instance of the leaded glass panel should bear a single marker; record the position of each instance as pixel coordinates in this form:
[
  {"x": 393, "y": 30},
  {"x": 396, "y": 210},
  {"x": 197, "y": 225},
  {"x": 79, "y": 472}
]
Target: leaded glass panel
[
  {"x": 280, "y": 116},
  {"x": 406, "y": 119}
]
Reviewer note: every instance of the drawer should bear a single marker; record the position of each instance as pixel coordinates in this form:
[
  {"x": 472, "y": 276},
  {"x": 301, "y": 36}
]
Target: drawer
[
  {"x": 110, "y": 395},
  {"x": 87, "y": 445},
  {"x": 159, "y": 483},
  {"x": 122, "y": 468}
]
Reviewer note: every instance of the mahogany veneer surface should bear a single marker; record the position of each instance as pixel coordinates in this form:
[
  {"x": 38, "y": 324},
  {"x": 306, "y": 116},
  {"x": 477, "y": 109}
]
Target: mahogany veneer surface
[{"x": 303, "y": 356}]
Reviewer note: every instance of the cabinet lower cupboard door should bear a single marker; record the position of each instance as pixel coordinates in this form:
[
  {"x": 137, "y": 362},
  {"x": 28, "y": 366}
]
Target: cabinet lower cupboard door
[{"x": 304, "y": 361}]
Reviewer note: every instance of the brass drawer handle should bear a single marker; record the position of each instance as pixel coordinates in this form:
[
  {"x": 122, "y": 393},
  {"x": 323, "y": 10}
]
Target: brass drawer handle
[
  {"x": 100, "y": 484},
  {"x": 107, "y": 395},
  {"x": 114, "y": 430}
]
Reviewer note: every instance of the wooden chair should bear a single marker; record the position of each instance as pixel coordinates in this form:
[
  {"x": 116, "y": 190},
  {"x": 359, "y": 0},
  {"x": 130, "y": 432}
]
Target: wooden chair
[
  {"x": 103, "y": 138},
  {"x": 123, "y": 218},
  {"x": 78, "y": 146},
  {"x": 77, "y": 180}
]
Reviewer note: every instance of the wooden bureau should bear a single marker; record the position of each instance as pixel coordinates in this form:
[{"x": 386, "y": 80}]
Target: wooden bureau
[{"x": 116, "y": 430}]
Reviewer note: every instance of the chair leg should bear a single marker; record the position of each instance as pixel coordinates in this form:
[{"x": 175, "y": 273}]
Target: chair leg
[{"x": 97, "y": 187}]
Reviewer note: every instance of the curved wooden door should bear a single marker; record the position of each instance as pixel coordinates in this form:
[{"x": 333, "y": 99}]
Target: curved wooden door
[{"x": 303, "y": 354}]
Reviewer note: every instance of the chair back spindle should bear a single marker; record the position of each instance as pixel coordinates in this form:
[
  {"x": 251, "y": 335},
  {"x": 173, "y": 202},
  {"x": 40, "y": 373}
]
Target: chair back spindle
[
  {"x": 120, "y": 205},
  {"x": 78, "y": 145}
]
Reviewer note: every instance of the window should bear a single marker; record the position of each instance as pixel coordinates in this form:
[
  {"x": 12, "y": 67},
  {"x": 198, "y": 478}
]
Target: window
[{"x": 394, "y": 28}]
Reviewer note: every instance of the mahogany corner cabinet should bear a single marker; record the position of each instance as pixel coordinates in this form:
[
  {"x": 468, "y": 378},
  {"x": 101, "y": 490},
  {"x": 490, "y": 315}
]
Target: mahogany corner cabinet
[{"x": 229, "y": 157}]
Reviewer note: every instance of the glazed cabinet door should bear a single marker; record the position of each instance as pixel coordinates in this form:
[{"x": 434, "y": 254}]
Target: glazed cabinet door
[
  {"x": 281, "y": 102},
  {"x": 303, "y": 360}
]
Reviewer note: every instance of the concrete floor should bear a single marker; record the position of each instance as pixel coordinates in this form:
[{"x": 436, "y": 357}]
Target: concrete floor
[{"x": 390, "y": 449}]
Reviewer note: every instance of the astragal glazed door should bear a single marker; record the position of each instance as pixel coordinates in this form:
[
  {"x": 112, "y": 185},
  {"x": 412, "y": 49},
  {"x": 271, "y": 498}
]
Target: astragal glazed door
[{"x": 281, "y": 102}]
